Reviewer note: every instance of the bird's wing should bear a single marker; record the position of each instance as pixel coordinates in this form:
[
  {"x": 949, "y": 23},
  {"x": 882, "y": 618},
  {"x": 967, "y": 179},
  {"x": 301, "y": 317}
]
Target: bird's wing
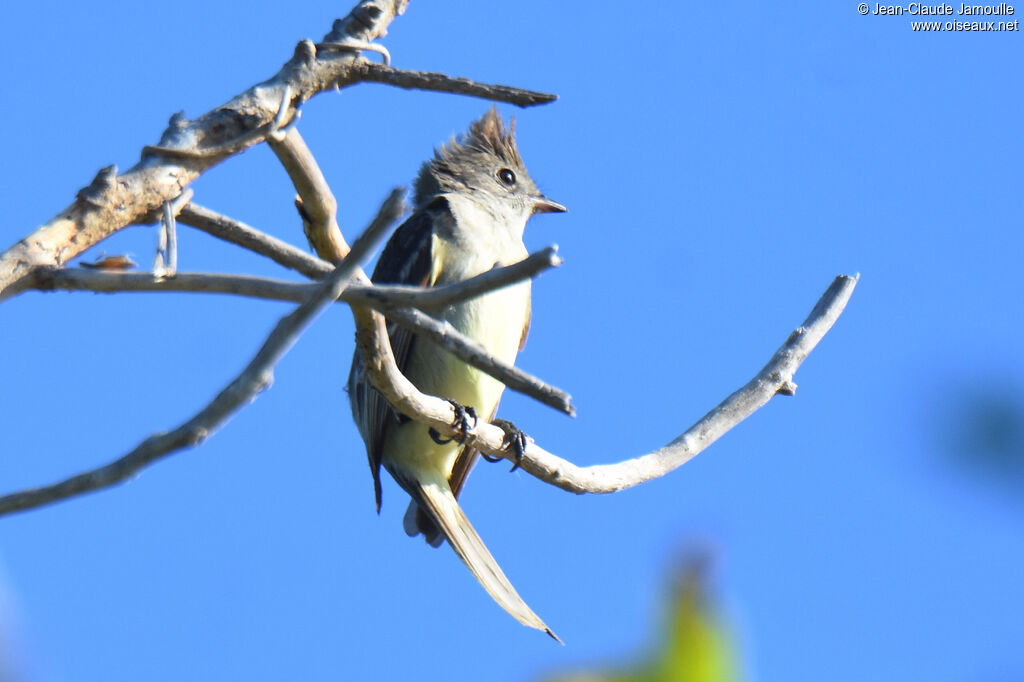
[{"x": 407, "y": 258}]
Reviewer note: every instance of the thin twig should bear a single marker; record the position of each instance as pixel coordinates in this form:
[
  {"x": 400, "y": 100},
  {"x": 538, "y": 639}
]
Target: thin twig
[
  {"x": 379, "y": 296},
  {"x": 277, "y": 126},
  {"x": 356, "y": 46},
  {"x": 166, "y": 262},
  {"x": 160, "y": 257},
  {"x": 439, "y": 82},
  {"x": 448, "y": 337},
  {"x": 245, "y": 387},
  {"x": 170, "y": 226},
  {"x": 236, "y": 232},
  {"x": 384, "y": 296}
]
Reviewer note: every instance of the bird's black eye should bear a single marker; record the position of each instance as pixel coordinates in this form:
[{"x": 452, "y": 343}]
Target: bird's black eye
[{"x": 507, "y": 177}]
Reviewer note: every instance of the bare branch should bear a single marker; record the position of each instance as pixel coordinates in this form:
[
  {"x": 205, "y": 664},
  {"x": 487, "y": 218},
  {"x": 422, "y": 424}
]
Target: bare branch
[
  {"x": 775, "y": 377},
  {"x": 380, "y": 296},
  {"x": 445, "y": 335},
  {"x": 354, "y": 46},
  {"x": 439, "y": 82},
  {"x": 166, "y": 262},
  {"x": 388, "y": 296},
  {"x": 236, "y": 232},
  {"x": 316, "y": 203},
  {"x": 115, "y": 282},
  {"x": 257, "y": 376}
]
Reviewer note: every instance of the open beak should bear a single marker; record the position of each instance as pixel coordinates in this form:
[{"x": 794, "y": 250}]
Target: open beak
[{"x": 544, "y": 205}]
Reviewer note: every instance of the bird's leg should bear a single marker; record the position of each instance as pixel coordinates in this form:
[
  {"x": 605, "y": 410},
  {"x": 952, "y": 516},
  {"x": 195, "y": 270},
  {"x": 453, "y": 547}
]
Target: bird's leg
[
  {"x": 461, "y": 424},
  {"x": 515, "y": 437}
]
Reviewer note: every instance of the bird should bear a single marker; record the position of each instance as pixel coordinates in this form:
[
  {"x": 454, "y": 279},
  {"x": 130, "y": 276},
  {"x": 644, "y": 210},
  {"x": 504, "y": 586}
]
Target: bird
[{"x": 471, "y": 202}]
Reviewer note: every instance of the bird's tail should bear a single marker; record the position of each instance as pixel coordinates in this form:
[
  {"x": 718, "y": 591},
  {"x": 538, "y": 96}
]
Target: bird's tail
[{"x": 440, "y": 503}]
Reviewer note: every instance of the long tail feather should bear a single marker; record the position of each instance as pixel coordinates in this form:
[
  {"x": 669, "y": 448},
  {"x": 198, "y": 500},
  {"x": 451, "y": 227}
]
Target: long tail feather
[{"x": 441, "y": 504}]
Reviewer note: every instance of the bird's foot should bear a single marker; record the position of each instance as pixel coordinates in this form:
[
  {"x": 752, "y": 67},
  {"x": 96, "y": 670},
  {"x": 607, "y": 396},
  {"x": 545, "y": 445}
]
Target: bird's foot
[
  {"x": 461, "y": 424},
  {"x": 514, "y": 437}
]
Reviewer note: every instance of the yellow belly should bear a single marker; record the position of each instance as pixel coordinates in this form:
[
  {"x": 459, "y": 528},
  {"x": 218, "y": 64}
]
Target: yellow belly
[{"x": 496, "y": 322}]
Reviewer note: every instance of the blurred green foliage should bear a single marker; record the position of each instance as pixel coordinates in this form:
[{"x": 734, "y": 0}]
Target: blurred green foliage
[{"x": 693, "y": 645}]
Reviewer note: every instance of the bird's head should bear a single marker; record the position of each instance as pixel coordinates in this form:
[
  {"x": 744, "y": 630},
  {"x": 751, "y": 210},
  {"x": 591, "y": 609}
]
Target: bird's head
[{"x": 484, "y": 163}]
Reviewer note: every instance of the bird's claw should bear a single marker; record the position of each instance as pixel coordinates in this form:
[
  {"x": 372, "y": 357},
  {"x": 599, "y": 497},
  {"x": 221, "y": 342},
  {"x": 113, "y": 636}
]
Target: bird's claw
[
  {"x": 461, "y": 424},
  {"x": 514, "y": 437}
]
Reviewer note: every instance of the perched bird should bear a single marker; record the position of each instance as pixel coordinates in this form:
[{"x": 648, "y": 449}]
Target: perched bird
[{"x": 472, "y": 201}]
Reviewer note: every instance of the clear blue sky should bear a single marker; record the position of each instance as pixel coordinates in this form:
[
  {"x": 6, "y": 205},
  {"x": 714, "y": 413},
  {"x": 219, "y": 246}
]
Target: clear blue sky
[{"x": 721, "y": 163}]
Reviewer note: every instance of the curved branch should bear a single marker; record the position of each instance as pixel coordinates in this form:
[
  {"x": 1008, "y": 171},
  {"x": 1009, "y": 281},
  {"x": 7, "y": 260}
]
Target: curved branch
[
  {"x": 257, "y": 376},
  {"x": 776, "y": 377}
]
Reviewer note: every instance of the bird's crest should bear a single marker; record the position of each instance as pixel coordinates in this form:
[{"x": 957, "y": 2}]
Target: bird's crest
[{"x": 488, "y": 135}]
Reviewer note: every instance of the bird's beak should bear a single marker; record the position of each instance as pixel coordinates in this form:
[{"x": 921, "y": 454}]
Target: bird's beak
[{"x": 544, "y": 205}]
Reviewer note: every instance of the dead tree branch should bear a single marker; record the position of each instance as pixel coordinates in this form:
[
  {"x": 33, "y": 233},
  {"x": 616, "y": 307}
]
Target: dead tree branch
[
  {"x": 382, "y": 297},
  {"x": 236, "y": 232},
  {"x": 188, "y": 148},
  {"x": 439, "y": 82},
  {"x": 775, "y": 378}
]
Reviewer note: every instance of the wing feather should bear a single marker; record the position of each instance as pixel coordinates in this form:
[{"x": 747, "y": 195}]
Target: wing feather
[{"x": 407, "y": 258}]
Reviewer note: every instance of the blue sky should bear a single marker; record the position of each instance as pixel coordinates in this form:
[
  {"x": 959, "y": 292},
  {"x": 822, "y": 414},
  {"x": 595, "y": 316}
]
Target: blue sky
[{"x": 721, "y": 165}]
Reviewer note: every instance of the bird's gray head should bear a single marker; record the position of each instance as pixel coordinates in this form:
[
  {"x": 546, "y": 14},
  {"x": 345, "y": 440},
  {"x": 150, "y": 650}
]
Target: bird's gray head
[{"x": 484, "y": 164}]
